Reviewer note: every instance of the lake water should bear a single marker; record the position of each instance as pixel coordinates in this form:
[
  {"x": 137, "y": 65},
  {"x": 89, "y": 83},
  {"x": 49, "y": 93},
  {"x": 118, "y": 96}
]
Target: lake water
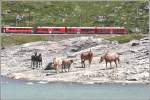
[{"x": 25, "y": 90}]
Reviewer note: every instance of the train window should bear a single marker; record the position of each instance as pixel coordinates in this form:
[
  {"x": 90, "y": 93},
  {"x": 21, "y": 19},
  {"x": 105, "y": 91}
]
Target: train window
[
  {"x": 55, "y": 29},
  {"x": 87, "y": 30},
  {"x": 71, "y": 30},
  {"x": 46, "y": 29}
]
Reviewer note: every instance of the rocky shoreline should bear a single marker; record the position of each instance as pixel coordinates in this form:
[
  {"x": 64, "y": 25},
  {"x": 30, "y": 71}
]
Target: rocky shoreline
[{"x": 134, "y": 67}]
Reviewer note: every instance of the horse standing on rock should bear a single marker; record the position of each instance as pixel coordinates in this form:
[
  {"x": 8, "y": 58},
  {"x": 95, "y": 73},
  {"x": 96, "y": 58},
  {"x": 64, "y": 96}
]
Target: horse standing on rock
[
  {"x": 109, "y": 57},
  {"x": 86, "y": 56},
  {"x": 39, "y": 60},
  {"x": 57, "y": 62},
  {"x": 33, "y": 60},
  {"x": 66, "y": 64},
  {"x": 36, "y": 60}
]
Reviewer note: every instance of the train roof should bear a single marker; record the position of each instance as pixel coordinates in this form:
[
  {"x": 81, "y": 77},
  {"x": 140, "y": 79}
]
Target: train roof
[
  {"x": 86, "y": 27},
  {"x": 18, "y": 27},
  {"x": 112, "y": 27},
  {"x": 50, "y": 27},
  {"x": 81, "y": 27}
]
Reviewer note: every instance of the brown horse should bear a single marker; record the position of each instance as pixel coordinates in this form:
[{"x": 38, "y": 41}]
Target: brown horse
[
  {"x": 86, "y": 56},
  {"x": 57, "y": 62},
  {"x": 109, "y": 57},
  {"x": 66, "y": 63}
]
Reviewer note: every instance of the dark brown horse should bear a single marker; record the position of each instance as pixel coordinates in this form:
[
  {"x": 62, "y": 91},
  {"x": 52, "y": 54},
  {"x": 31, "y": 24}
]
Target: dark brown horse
[
  {"x": 33, "y": 60},
  {"x": 39, "y": 60},
  {"x": 86, "y": 56},
  {"x": 109, "y": 57},
  {"x": 36, "y": 60}
]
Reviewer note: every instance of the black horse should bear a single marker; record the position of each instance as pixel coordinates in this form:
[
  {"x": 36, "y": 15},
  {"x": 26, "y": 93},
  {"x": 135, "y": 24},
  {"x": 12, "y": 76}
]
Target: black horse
[
  {"x": 39, "y": 60},
  {"x": 36, "y": 60}
]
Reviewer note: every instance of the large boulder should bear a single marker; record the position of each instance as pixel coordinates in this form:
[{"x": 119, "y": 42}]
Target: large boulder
[{"x": 49, "y": 66}]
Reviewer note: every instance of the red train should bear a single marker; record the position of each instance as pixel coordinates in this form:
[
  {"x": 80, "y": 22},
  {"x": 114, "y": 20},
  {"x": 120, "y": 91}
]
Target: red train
[
  {"x": 17, "y": 29},
  {"x": 66, "y": 30}
]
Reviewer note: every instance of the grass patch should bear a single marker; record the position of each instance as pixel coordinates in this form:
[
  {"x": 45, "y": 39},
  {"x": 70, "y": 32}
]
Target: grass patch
[
  {"x": 125, "y": 38},
  {"x": 11, "y": 40},
  {"x": 20, "y": 39}
]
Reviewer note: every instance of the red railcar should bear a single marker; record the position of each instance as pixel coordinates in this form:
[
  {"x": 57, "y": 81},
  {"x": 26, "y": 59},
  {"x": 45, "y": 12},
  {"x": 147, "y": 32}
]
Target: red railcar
[
  {"x": 103, "y": 30},
  {"x": 43, "y": 30},
  {"x": 58, "y": 30},
  {"x": 81, "y": 30},
  {"x": 17, "y": 29},
  {"x": 50, "y": 30},
  {"x": 120, "y": 30},
  {"x": 72, "y": 30},
  {"x": 111, "y": 30}
]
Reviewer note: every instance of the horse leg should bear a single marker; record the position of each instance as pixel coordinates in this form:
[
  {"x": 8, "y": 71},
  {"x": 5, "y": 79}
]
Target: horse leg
[
  {"x": 57, "y": 70},
  {"x": 61, "y": 68},
  {"x": 36, "y": 64},
  {"x": 89, "y": 63},
  {"x": 110, "y": 64},
  {"x": 115, "y": 63},
  {"x": 68, "y": 68},
  {"x": 118, "y": 61},
  {"x": 31, "y": 63},
  {"x": 106, "y": 64},
  {"x": 81, "y": 63},
  {"x": 41, "y": 63}
]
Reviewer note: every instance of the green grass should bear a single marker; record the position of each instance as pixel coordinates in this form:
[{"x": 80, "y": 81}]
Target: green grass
[
  {"x": 11, "y": 40},
  {"x": 77, "y": 13},
  {"x": 125, "y": 38},
  {"x": 20, "y": 39},
  {"x": 7, "y": 41}
]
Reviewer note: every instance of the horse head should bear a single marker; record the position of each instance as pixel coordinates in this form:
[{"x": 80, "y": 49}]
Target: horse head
[
  {"x": 35, "y": 53},
  {"x": 40, "y": 55},
  {"x": 71, "y": 61}
]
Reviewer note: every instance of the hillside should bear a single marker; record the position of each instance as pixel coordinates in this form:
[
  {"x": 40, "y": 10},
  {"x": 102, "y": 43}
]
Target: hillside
[{"x": 130, "y": 14}]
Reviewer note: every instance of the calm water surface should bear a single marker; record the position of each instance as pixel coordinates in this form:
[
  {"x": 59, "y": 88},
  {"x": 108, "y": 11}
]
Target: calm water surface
[{"x": 24, "y": 90}]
